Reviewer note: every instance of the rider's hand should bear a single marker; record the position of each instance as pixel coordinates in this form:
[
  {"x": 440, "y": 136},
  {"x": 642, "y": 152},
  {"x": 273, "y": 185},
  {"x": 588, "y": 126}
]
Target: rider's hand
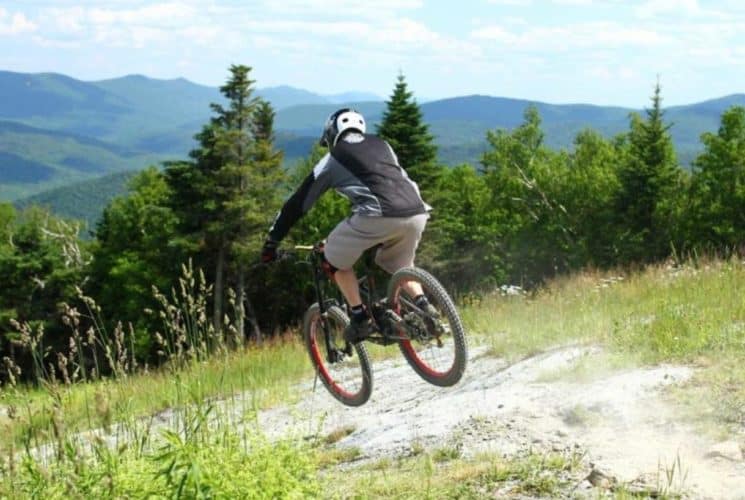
[{"x": 269, "y": 251}]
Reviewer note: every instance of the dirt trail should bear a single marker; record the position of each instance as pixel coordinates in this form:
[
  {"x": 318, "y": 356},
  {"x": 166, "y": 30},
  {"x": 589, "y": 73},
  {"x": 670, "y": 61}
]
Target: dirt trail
[{"x": 619, "y": 420}]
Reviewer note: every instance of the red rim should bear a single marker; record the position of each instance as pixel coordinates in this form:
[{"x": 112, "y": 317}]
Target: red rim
[
  {"x": 424, "y": 367},
  {"x": 318, "y": 360},
  {"x": 412, "y": 352}
]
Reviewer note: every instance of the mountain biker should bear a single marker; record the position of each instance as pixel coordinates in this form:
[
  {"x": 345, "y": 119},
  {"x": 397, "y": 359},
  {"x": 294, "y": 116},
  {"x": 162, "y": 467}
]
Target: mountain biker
[{"x": 387, "y": 210}]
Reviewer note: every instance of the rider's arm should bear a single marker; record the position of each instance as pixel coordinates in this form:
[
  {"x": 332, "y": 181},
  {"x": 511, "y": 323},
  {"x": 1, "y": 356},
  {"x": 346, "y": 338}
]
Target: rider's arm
[{"x": 317, "y": 182}]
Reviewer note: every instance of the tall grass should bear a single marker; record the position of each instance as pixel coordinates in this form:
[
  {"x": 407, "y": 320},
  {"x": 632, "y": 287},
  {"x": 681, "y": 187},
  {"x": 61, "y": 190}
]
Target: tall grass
[
  {"x": 665, "y": 313},
  {"x": 93, "y": 424},
  {"x": 692, "y": 313},
  {"x": 97, "y": 425}
]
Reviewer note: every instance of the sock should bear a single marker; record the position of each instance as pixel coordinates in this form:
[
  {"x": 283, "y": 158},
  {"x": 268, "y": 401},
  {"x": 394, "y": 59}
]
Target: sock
[
  {"x": 421, "y": 301},
  {"x": 358, "y": 313}
]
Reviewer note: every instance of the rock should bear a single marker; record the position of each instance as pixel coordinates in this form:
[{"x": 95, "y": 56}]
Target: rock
[
  {"x": 729, "y": 450},
  {"x": 599, "y": 479},
  {"x": 585, "y": 484}
]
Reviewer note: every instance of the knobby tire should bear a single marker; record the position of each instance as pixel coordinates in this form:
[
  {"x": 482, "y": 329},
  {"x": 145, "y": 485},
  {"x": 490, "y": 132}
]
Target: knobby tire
[
  {"x": 350, "y": 380},
  {"x": 441, "y": 366}
]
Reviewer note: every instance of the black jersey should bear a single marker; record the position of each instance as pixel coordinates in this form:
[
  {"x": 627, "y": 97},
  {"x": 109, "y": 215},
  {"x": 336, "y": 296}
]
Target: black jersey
[{"x": 363, "y": 168}]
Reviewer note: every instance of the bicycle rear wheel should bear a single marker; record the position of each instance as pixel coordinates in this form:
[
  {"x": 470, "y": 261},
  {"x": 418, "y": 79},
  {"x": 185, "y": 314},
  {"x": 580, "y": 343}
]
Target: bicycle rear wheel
[
  {"x": 436, "y": 345},
  {"x": 347, "y": 377}
]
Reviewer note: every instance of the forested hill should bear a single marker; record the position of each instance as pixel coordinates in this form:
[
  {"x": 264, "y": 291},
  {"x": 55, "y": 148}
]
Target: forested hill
[
  {"x": 84, "y": 201},
  {"x": 57, "y": 131}
]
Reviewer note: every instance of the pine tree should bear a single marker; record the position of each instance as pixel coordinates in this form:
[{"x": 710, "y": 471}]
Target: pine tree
[
  {"x": 261, "y": 199},
  {"x": 226, "y": 196},
  {"x": 403, "y": 128},
  {"x": 650, "y": 184}
]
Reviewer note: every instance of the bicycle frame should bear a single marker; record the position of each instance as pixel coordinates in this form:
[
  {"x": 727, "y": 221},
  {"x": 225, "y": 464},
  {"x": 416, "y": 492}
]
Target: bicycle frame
[
  {"x": 395, "y": 319},
  {"x": 323, "y": 303},
  {"x": 385, "y": 319}
]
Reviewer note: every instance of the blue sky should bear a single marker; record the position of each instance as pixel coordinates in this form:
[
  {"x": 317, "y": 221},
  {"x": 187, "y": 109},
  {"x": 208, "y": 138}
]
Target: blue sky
[{"x": 560, "y": 51}]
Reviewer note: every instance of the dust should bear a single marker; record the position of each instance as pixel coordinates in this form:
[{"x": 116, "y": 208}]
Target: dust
[{"x": 619, "y": 420}]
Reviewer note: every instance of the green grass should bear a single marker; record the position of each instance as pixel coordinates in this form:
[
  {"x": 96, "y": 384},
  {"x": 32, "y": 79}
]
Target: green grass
[
  {"x": 693, "y": 314},
  {"x": 429, "y": 476},
  {"x": 662, "y": 314},
  {"x": 266, "y": 374},
  {"x": 199, "y": 461}
]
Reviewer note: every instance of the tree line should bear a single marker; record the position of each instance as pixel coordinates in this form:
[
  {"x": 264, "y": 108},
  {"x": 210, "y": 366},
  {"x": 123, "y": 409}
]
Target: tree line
[{"x": 524, "y": 214}]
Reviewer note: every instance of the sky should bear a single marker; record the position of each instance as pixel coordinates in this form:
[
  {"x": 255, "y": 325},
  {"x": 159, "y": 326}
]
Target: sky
[{"x": 608, "y": 52}]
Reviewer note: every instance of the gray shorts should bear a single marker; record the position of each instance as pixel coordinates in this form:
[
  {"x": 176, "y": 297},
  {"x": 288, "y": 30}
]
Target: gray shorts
[{"x": 398, "y": 237}]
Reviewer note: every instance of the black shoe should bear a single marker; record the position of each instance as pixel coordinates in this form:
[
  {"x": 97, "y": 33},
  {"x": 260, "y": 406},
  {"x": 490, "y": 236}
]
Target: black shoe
[
  {"x": 357, "y": 330},
  {"x": 432, "y": 315},
  {"x": 424, "y": 304}
]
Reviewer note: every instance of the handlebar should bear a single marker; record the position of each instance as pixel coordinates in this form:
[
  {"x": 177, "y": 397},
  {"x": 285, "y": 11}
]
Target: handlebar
[{"x": 296, "y": 249}]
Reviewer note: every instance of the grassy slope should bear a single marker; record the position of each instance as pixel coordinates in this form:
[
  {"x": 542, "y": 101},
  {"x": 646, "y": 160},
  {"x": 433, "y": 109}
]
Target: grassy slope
[{"x": 693, "y": 314}]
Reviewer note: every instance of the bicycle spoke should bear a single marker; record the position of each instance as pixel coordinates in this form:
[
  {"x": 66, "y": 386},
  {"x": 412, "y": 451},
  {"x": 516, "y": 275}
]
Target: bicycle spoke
[
  {"x": 436, "y": 346},
  {"x": 347, "y": 377}
]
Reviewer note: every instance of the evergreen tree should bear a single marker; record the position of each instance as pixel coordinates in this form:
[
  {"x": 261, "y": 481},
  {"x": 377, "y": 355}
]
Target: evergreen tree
[
  {"x": 41, "y": 262},
  {"x": 717, "y": 207},
  {"x": 402, "y": 126},
  {"x": 135, "y": 249},
  {"x": 650, "y": 186},
  {"x": 256, "y": 203},
  {"x": 226, "y": 196}
]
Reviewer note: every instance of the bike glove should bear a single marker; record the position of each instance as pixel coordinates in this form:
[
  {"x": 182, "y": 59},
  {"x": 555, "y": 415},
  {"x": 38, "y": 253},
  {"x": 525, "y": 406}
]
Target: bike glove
[{"x": 269, "y": 251}]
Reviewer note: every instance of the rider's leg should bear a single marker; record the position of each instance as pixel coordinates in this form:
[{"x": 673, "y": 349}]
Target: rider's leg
[
  {"x": 346, "y": 280},
  {"x": 399, "y": 252},
  {"x": 414, "y": 288}
]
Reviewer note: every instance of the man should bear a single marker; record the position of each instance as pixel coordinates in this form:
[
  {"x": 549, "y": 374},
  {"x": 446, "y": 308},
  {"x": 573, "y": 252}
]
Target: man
[{"x": 387, "y": 210}]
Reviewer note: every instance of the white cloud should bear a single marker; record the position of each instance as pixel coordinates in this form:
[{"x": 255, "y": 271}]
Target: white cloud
[
  {"x": 612, "y": 73},
  {"x": 518, "y": 3},
  {"x": 594, "y": 35},
  {"x": 336, "y": 8},
  {"x": 656, "y": 8},
  {"x": 15, "y": 24},
  {"x": 526, "y": 3},
  {"x": 120, "y": 24},
  {"x": 159, "y": 14},
  {"x": 55, "y": 44}
]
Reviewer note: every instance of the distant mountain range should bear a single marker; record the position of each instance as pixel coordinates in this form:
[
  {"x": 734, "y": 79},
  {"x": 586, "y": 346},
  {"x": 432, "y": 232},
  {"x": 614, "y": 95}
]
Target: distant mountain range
[{"x": 56, "y": 130}]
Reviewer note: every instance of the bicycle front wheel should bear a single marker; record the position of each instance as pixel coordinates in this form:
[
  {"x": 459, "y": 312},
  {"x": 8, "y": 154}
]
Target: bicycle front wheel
[
  {"x": 436, "y": 341},
  {"x": 347, "y": 377}
]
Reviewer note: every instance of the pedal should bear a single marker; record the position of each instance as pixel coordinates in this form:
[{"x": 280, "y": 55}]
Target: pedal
[{"x": 347, "y": 348}]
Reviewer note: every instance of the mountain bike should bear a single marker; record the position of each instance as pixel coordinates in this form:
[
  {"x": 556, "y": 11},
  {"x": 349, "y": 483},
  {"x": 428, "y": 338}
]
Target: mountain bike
[{"x": 434, "y": 345}]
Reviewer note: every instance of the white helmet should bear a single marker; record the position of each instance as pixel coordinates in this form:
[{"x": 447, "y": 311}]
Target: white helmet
[{"x": 340, "y": 121}]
